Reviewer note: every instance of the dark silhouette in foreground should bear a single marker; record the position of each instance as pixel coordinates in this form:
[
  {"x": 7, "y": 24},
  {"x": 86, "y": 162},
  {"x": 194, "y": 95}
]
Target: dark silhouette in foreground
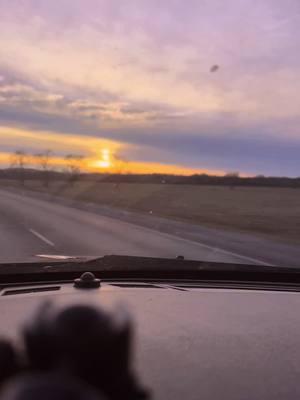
[{"x": 79, "y": 352}]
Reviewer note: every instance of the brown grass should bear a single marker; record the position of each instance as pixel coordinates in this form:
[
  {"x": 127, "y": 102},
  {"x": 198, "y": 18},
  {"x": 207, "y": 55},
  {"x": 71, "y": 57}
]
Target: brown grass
[{"x": 269, "y": 211}]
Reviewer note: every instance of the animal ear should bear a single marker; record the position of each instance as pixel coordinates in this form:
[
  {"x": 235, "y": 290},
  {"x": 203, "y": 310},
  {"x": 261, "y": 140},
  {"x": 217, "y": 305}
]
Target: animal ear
[
  {"x": 38, "y": 339},
  {"x": 121, "y": 319},
  {"x": 122, "y": 326},
  {"x": 9, "y": 362}
]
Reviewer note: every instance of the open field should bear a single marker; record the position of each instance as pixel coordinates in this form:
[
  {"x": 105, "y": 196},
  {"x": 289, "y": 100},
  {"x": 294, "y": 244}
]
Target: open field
[{"x": 274, "y": 212}]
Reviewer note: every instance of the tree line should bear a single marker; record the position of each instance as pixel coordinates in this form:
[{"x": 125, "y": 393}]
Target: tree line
[
  {"x": 231, "y": 180},
  {"x": 23, "y": 167},
  {"x": 22, "y": 163}
]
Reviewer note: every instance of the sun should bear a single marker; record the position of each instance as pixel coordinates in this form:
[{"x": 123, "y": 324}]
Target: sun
[{"x": 104, "y": 161}]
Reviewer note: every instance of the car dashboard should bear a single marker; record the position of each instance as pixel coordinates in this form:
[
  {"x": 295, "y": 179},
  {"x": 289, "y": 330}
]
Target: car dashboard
[{"x": 191, "y": 341}]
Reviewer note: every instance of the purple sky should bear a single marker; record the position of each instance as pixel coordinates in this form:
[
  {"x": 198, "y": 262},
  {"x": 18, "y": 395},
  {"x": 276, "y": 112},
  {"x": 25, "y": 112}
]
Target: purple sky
[{"x": 137, "y": 73}]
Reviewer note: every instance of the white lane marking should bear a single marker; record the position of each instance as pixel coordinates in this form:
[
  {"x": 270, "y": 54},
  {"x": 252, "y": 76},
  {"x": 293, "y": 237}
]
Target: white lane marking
[{"x": 43, "y": 238}]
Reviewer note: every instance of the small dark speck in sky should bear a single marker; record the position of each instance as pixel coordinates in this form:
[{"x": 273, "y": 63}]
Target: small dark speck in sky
[{"x": 214, "y": 68}]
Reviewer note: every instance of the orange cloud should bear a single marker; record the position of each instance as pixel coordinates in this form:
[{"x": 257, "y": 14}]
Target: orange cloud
[{"x": 57, "y": 142}]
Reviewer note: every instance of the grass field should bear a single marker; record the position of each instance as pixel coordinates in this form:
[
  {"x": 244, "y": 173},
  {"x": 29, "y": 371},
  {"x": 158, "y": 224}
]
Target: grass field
[{"x": 267, "y": 211}]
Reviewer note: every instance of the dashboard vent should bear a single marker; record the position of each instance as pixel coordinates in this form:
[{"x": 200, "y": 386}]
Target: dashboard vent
[
  {"x": 12, "y": 292},
  {"x": 136, "y": 285}
]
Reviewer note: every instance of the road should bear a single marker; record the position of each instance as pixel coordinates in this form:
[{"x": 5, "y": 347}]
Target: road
[{"x": 33, "y": 226}]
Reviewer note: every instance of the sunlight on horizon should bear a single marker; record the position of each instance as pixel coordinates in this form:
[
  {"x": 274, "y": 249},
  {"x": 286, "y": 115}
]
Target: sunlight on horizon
[
  {"x": 99, "y": 154},
  {"x": 105, "y": 160}
]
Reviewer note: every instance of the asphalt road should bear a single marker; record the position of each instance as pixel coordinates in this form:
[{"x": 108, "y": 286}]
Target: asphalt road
[{"x": 32, "y": 226}]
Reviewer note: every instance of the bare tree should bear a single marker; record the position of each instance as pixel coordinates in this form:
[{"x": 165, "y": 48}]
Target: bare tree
[
  {"x": 120, "y": 168},
  {"x": 74, "y": 163},
  {"x": 43, "y": 160},
  {"x": 121, "y": 165},
  {"x": 232, "y": 178},
  {"x": 19, "y": 161},
  {"x": 233, "y": 174}
]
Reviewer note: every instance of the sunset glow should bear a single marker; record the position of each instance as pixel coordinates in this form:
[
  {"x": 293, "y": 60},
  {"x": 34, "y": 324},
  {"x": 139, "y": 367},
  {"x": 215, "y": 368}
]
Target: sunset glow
[
  {"x": 139, "y": 83},
  {"x": 104, "y": 162}
]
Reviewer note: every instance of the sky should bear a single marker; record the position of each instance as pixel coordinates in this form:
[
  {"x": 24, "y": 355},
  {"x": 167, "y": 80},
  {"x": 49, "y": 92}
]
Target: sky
[{"x": 157, "y": 86}]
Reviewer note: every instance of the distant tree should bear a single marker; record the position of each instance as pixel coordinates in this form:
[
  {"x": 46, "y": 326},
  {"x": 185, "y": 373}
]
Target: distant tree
[
  {"x": 120, "y": 169},
  {"x": 43, "y": 159},
  {"x": 74, "y": 163},
  {"x": 232, "y": 179},
  {"x": 233, "y": 174},
  {"x": 120, "y": 165},
  {"x": 19, "y": 161}
]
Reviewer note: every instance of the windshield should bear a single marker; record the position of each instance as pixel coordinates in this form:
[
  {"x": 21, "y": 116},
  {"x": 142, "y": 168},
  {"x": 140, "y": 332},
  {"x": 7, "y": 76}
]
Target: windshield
[{"x": 150, "y": 128}]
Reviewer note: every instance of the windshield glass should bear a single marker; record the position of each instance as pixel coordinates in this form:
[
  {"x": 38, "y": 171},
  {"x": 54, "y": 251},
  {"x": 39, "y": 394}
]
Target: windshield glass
[{"x": 153, "y": 128}]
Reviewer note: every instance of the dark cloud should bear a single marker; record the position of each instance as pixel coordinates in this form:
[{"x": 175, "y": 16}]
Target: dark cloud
[
  {"x": 244, "y": 150},
  {"x": 40, "y": 121},
  {"x": 22, "y": 98},
  {"x": 151, "y": 111},
  {"x": 216, "y": 141},
  {"x": 90, "y": 107},
  {"x": 248, "y": 149}
]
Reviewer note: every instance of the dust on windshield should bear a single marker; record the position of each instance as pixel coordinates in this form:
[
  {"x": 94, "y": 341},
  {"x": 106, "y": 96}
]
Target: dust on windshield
[{"x": 150, "y": 128}]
